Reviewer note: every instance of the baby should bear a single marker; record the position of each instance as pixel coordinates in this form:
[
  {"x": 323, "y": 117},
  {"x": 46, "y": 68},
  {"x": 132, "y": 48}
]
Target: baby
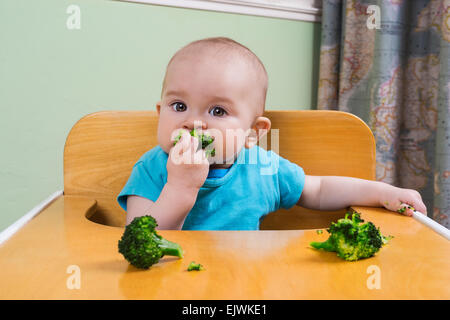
[{"x": 218, "y": 87}]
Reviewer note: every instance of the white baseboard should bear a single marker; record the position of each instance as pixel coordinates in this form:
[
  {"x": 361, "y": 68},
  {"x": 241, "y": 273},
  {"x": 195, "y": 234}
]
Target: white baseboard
[
  {"x": 12, "y": 229},
  {"x": 303, "y": 10}
]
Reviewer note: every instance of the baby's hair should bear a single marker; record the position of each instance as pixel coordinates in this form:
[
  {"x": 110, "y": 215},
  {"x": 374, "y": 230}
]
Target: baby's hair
[{"x": 225, "y": 47}]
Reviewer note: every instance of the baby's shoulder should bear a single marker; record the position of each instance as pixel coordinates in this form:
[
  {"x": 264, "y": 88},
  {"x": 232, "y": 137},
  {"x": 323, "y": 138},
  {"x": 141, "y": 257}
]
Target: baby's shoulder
[
  {"x": 156, "y": 154},
  {"x": 270, "y": 163},
  {"x": 262, "y": 157}
]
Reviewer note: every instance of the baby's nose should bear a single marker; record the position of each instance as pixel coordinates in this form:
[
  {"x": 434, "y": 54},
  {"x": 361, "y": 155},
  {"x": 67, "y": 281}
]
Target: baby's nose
[{"x": 196, "y": 124}]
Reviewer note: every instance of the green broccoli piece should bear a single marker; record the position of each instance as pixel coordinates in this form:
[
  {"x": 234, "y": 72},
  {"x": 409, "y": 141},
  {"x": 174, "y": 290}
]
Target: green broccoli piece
[
  {"x": 205, "y": 140},
  {"x": 352, "y": 239},
  {"x": 195, "y": 267},
  {"x": 142, "y": 246},
  {"x": 403, "y": 209}
]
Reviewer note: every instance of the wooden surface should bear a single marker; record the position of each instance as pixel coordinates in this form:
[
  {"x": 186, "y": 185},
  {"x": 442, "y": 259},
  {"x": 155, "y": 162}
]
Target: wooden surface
[
  {"x": 239, "y": 264},
  {"x": 102, "y": 148}
]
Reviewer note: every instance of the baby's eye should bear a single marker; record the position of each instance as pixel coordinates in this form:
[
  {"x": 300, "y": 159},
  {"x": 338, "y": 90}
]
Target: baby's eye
[
  {"x": 178, "y": 106},
  {"x": 218, "y": 111}
]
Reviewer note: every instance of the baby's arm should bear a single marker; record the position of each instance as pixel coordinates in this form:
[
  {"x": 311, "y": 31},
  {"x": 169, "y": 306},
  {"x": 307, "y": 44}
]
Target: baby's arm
[
  {"x": 335, "y": 193},
  {"x": 170, "y": 210},
  {"x": 187, "y": 170}
]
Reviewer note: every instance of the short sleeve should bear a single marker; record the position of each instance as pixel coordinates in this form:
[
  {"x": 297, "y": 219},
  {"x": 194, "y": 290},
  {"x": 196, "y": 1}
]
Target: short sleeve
[
  {"x": 291, "y": 180},
  {"x": 141, "y": 183}
]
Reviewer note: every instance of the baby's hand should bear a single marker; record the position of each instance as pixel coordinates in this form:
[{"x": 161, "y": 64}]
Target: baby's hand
[
  {"x": 403, "y": 201},
  {"x": 187, "y": 167}
]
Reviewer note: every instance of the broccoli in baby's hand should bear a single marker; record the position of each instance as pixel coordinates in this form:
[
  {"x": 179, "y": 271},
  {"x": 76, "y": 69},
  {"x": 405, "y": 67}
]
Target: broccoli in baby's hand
[
  {"x": 352, "y": 239},
  {"x": 204, "y": 139},
  {"x": 142, "y": 246}
]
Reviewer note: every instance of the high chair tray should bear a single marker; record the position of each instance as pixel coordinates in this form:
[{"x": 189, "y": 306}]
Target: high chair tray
[{"x": 60, "y": 254}]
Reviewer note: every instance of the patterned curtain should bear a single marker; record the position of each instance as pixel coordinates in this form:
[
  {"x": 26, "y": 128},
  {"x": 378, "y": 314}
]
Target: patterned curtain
[{"x": 388, "y": 62}]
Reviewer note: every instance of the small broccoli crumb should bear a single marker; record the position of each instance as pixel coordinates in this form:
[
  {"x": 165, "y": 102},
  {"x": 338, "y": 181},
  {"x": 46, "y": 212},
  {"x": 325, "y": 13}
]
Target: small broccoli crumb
[
  {"x": 320, "y": 231},
  {"x": 195, "y": 267},
  {"x": 401, "y": 210},
  {"x": 386, "y": 239}
]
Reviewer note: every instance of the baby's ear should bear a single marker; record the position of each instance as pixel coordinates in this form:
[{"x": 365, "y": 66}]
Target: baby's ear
[
  {"x": 260, "y": 128},
  {"x": 251, "y": 139}
]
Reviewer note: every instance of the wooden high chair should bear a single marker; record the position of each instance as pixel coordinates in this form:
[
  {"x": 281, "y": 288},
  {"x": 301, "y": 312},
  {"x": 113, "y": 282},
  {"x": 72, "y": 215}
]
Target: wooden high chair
[
  {"x": 102, "y": 148},
  {"x": 59, "y": 251}
]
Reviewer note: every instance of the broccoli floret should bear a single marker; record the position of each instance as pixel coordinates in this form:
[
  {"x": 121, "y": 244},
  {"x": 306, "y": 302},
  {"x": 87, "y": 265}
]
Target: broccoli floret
[
  {"x": 142, "y": 246},
  {"x": 352, "y": 239},
  {"x": 195, "y": 267},
  {"x": 204, "y": 139}
]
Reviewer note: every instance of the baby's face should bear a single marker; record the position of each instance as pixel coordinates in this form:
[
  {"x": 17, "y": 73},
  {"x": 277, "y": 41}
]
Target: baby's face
[{"x": 219, "y": 97}]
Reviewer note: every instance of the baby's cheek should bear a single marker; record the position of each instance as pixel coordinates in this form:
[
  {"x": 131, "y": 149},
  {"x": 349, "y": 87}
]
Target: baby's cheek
[
  {"x": 166, "y": 147},
  {"x": 222, "y": 151},
  {"x": 164, "y": 140},
  {"x": 232, "y": 148},
  {"x": 226, "y": 147},
  {"x": 228, "y": 152}
]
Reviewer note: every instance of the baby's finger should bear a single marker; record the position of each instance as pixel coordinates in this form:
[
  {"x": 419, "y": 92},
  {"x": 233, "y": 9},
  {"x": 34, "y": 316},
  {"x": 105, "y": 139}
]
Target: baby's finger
[
  {"x": 200, "y": 157},
  {"x": 420, "y": 206},
  {"x": 405, "y": 209},
  {"x": 175, "y": 154},
  {"x": 191, "y": 153},
  {"x": 195, "y": 142},
  {"x": 176, "y": 135},
  {"x": 181, "y": 152},
  {"x": 415, "y": 202},
  {"x": 408, "y": 209},
  {"x": 185, "y": 141}
]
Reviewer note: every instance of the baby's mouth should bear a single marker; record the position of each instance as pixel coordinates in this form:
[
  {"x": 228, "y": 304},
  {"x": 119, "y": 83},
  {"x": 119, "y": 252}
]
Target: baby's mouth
[{"x": 207, "y": 140}]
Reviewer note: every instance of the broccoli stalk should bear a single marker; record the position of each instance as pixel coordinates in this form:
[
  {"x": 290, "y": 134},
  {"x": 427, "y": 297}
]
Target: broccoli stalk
[
  {"x": 167, "y": 247},
  {"x": 142, "y": 246},
  {"x": 204, "y": 139},
  {"x": 352, "y": 239},
  {"x": 327, "y": 245}
]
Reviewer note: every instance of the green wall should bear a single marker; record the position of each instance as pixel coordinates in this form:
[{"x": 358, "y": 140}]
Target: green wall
[{"x": 51, "y": 76}]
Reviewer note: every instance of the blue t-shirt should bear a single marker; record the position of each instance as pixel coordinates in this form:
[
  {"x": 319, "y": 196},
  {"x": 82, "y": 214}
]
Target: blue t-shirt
[
  {"x": 238, "y": 198},
  {"x": 217, "y": 173}
]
